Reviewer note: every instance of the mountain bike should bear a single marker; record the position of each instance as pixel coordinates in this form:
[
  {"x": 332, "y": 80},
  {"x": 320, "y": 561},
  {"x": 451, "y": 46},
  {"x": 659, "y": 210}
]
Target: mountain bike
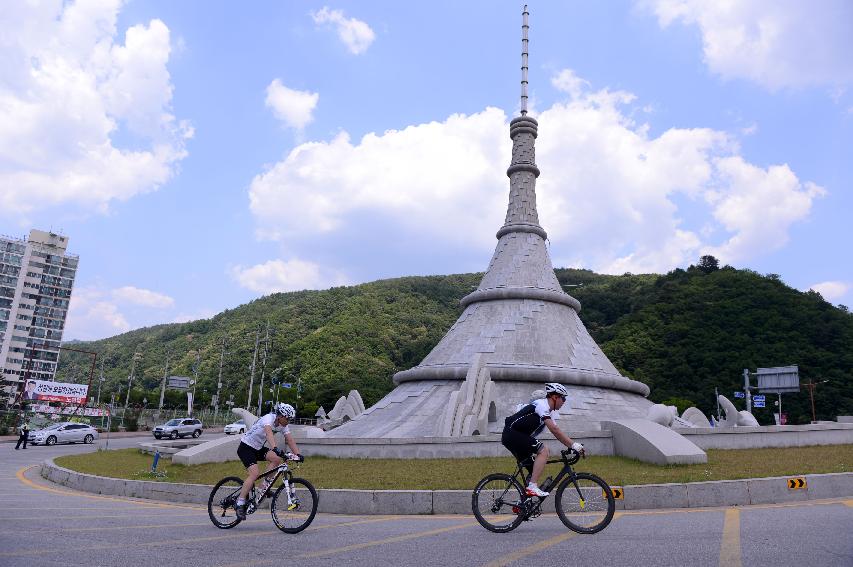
[
  {"x": 293, "y": 505},
  {"x": 585, "y": 502}
]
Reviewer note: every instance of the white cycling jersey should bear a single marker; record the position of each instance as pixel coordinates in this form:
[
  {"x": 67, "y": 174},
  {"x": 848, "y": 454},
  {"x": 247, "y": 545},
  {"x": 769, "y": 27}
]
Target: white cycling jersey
[{"x": 255, "y": 437}]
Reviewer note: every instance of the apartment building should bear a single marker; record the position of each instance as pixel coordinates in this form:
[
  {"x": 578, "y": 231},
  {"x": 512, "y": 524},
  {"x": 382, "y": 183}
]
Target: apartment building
[{"x": 36, "y": 278}]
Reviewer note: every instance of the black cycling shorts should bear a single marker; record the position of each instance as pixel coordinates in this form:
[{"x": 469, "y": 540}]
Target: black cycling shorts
[
  {"x": 521, "y": 445},
  {"x": 250, "y": 456}
]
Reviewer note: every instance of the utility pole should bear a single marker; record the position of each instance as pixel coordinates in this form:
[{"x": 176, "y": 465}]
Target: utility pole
[
  {"x": 254, "y": 362},
  {"x": 746, "y": 389},
  {"x": 263, "y": 371},
  {"x": 219, "y": 381},
  {"x": 100, "y": 381},
  {"x": 163, "y": 387},
  {"x": 195, "y": 381},
  {"x": 136, "y": 356},
  {"x": 811, "y": 386}
]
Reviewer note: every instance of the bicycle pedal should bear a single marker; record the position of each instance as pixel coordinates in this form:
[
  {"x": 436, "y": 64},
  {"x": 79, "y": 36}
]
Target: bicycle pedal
[{"x": 293, "y": 506}]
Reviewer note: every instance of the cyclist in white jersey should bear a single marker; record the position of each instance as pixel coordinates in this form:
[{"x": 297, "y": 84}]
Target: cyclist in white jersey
[
  {"x": 521, "y": 429},
  {"x": 252, "y": 449}
]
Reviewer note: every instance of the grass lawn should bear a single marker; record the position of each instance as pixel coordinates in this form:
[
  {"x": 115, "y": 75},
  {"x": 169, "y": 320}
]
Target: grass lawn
[{"x": 463, "y": 474}]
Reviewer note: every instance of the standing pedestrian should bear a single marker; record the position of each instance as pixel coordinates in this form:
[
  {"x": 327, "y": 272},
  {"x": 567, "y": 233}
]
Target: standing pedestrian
[{"x": 25, "y": 432}]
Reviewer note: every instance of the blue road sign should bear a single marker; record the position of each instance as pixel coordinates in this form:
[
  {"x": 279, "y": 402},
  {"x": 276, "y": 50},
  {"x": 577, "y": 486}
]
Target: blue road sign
[
  {"x": 758, "y": 398},
  {"x": 739, "y": 395},
  {"x": 758, "y": 404},
  {"x": 287, "y": 385}
]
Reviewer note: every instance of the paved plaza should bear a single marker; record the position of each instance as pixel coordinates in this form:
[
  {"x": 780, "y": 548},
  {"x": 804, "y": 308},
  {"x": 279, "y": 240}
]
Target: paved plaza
[{"x": 50, "y": 525}]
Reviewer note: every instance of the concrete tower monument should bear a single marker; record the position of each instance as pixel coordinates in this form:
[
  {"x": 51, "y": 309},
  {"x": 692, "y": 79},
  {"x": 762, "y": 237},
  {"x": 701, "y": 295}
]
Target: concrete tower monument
[{"x": 518, "y": 330}]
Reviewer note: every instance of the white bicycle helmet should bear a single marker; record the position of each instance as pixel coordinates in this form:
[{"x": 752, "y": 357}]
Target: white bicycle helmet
[
  {"x": 286, "y": 410},
  {"x": 555, "y": 388}
]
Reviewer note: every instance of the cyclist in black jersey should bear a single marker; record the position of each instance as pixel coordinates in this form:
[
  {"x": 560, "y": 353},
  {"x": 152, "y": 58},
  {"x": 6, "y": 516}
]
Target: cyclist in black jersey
[{"x": 521, "y": 429}]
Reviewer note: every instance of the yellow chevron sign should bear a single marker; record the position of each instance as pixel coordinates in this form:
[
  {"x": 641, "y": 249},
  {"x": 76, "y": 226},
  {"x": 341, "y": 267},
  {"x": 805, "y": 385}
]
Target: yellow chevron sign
[
  {"x": 797, "y": 482},
  {"x": 617, "y": 491}
]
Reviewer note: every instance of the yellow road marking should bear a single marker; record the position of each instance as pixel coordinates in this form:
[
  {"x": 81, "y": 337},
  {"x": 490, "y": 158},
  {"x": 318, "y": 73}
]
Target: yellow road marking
[
  {"x": 536, "y": 547},
  {"x": 362, "y": 545},
  {"x": 156, "y": 543},
  {"x": 98, "y": 517},
  {"x": 530, "y": 549},
  {"x": 394, "y": 539},
  {"x": 170, "y": 541},
  {"x": 135, "y": 527},
  {"x": 20, "y": 476},
  {"x": 730, "y": 553},
  {"x": 849, "y": 502}
]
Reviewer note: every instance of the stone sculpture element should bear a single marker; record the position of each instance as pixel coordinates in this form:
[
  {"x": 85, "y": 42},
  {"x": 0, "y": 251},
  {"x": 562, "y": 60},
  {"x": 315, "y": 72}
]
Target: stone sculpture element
[
  {"x": 467, "y": 411},
  {"x": 248, "y": 417},
  {"x": 347, "y": 408},
  {"x": 696, "y": 417},
  {"x": 662, "y": 414},
  {"x": 321, "y": 416},
  {"x": 746, "y": 419},
  {"x": 734, "y": 418}
]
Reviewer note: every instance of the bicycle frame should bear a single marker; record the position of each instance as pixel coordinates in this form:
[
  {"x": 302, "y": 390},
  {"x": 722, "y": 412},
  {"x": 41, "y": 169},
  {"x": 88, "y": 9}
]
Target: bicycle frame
[
  {"x": 566, "y": 471},
  {"x": 281, "y": 470}
]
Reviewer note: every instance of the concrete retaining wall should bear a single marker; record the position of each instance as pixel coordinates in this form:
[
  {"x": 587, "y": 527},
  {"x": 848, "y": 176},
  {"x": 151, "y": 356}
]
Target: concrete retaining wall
[
  {"x": 770, "y": 436},
  {"x": 361, "y": 502},
  {"x": 596, "y": 442}
]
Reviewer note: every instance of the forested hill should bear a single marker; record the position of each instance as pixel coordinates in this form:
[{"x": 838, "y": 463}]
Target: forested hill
[{"x": 682, "y": 333}]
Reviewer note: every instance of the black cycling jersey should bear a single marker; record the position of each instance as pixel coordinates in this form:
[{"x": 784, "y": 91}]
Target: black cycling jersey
[{"x": 530, "y": 419}]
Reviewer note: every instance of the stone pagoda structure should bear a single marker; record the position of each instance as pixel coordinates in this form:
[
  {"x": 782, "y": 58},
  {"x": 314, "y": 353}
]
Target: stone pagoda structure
[{"x": 518, "y": 330}]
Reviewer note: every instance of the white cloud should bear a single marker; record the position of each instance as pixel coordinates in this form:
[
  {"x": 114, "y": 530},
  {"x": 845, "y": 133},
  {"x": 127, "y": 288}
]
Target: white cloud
[
  {"x": 92, "y": 315},
  {"x": 97, "y": 312},
  {"x": 355, "y": 34},
  {"x": 293, "y": 275},
  {"x": 69, "y": 87},
  {"x": 776, "y": 43},
  {"x": 568, "y": 82},
  {"x": 143, "y": 297},
  {"x": 832, "y": 290},
  {"x": 757, "y": 205},
  {"x": 294, "y": 108},
  {"x": 609, "y": 194}
]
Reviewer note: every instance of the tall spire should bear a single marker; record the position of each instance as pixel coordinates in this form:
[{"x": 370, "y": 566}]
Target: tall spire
[{"x": 524, "y": 28}]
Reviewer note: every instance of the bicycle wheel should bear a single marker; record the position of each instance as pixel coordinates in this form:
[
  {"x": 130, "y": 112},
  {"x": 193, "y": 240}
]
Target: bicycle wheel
[
  {"x": 585, "y": 503},
  {"x": 222, "y": 504},
  {"x": 496, "y": 503},
  {"x": 293, "y": 510}
]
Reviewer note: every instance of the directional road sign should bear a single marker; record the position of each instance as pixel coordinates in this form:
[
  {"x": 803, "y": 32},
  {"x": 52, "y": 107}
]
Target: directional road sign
[
  {"x": 758, "y": 403},
  {"x": 797, "y": 482},
  {"x": 739, "y": 395},
  {"x": 758, "y": 398}
]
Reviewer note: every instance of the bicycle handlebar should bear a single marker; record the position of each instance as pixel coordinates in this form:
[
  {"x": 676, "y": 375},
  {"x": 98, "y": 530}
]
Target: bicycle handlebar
[{"x": 568, "y": 456}]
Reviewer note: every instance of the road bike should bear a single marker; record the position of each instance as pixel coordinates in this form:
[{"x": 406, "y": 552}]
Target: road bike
[
  {"x": 584, "y": 502},
  {"x": 293, "y": 505}
]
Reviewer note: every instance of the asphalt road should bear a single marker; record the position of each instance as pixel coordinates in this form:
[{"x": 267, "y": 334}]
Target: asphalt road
[{"x": 49, "y": 525}]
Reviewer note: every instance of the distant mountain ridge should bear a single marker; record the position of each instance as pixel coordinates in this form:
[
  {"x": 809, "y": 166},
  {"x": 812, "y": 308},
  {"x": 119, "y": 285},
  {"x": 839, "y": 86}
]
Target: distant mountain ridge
[{"x": 682, "y": 333}]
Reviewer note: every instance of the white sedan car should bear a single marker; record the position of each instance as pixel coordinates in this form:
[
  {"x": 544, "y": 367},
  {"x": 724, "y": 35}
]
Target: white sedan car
[
  {"x": 238, "y": 427},
  {"x": 64, "y": 432}
]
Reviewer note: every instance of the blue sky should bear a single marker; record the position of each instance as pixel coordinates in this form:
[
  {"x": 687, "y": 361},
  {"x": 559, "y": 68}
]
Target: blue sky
[{"x": 202, "y": 154}]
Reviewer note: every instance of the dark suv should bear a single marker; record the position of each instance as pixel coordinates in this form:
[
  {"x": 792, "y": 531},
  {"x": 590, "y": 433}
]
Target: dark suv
[{"x": 181, "y": 427}]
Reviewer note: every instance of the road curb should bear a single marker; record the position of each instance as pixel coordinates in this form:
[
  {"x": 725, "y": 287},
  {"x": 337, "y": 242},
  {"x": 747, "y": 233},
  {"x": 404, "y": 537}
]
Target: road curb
[{"x": 774, "y": 490}]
